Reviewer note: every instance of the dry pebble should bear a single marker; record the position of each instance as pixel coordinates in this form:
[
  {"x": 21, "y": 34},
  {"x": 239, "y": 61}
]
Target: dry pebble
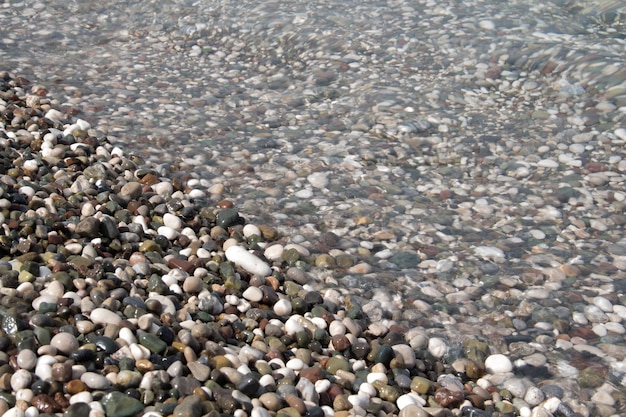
[{"x": 403, "y": 219}]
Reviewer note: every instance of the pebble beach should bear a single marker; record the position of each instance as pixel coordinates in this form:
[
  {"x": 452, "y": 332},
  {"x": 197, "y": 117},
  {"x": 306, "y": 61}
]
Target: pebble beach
[{"x": 288, "y": 209}]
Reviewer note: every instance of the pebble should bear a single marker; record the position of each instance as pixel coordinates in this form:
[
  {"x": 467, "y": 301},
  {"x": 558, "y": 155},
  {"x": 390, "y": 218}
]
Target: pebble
[
  {"x": 248, "y": 261},
  {"x": 498, "y": 364}
]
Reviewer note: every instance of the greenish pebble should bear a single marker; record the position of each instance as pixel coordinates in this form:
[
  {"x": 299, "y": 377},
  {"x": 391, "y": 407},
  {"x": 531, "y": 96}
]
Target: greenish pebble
[
  {"x": 47, "y": 307},
  {"x": 504, "y": 407},
  {"x": 298, "y": 305},
  {"x": 475, "y": 350},
  {"x": 591, "y": 378},
  {"x": 291, "y": 256},
  {"x": 325, "y": 261},
  {"x": 387, "y": 392},
  {"x": 152, "y": 343},
  {"x": 336, "y": 363},
  {"x": 149, "y": 246},
  {"x": 117, "y": 404},
  {"x": 190, "y": 406},
  {"x": 42, "y": 335},
  {"x": 156, "y": 284},
  {"x": 64, "y": 278},
  {"x": 421, "y": 385},
  {"x": 228, "y": 217},
  {"x": 292, "y": 288},
  {"x": 384, "y": 355},
  {"x": 288, "y": 412},
  {"x": 234, "y": 283},
  {"x": 26, "y": 276},
  {"x": 126, "y": 364},
  {"x": 303, "y": 338},
  {"x": 78, "y": 409},
  {"x": 8, "y": 398},
  {"x": 166, "y": 408}
]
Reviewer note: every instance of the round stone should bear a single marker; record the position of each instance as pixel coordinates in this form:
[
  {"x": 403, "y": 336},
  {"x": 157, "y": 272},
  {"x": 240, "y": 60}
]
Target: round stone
[
  {"x": 26, "y": 359},
  {"x": 498, "y": 364},
  {"x": 283, "y": 307},
  {"x": 65, "y": 343}
]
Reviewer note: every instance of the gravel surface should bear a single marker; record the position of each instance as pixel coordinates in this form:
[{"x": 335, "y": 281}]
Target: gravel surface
[{"x": 263, "y": 208}]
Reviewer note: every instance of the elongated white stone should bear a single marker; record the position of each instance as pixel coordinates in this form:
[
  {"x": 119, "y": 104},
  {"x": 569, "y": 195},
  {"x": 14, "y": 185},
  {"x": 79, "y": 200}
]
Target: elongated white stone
[{"x": 248, "y": 261}]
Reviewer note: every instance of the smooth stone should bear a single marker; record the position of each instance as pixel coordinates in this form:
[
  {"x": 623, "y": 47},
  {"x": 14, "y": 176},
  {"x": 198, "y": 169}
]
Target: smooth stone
[
  {"x": 152, "y": 342},
  {"x": 27, "y": 359},
  {"x": 248, "y": 261},
  {"x": 95, "y": 381},
  {"x": 283, "y": 307},
  {"x": 413, "y": 410},
  {"x": 437, "y": 347},
  {"x": 190, "y": 406},
  {"x": 498, "y": 363},
  {"x": 21, "y": 379},
  {"x": 253, "y": 294},
  {"x": 104, "y": 316},
  {"x": 77, "y": 409},
  {"x": 65, "y": 343},
  {"x": 117, "y": 404}
]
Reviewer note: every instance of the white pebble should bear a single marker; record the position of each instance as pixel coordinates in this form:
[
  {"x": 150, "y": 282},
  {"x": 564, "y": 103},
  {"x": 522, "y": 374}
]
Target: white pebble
[
  {"x": 336, "y": 328},
  {"x": 104, "y": 316},
  {"x": 488, "y": 252},
  {"x": 168, "y": 232},
  {"x": 21, "y": 379},
  {"x": 14, "y": 412},
  {"x": 251, "y": 230},
  {"x": 274, "y": 252},
  {"x": 604, "y": 304},
  {"x": 498, "y": 364},
  {"x": 615, "y": 327},
  {"x": 296, "y": 364},
  {"x": 361, "y": 401},
  {"x": 282, "y": 307},
  {"x": 548, "y": 163},
  {"x": 163, "y": 188},
  {"x": 294, "y": 325},
  {"x": 94, "y": 380},
  {"x": 437, "y": 347},
  {"x": 172, "y": 221},
  {"x": 318, "y": 179},
  {"x": 486, "y": 25},
  {"x": 26, "y": 359},
  {"x": 409, "y": 399},
  {"x": 367, "y": 389},
  {"x": 248, "y": 261},
  {"x": 534, "y": 396},
  {"x": 377, "y": 376},
  {"x": 253, "y": 294}
]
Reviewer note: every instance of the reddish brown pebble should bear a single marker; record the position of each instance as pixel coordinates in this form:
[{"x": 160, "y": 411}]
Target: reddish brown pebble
[
  {"x": 448, "y": 398},
  {"x": 341, "y": 342},
  {"x": 445, "y": 194},
  {"x": 313, "y": 374},
  {"x": 75, "y": 386},
  {"x": 181, "y": 264},
  {"x": 595, "y": 167},
  {"x": 45, "y": 404},
  {"x": 225, "y": 204},
  {"x": 62, "y": 372}
]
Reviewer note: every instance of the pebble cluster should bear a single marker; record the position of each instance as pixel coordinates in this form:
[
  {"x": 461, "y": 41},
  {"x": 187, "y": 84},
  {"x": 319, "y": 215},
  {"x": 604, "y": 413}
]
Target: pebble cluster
[{"x": 313, "y": 209}]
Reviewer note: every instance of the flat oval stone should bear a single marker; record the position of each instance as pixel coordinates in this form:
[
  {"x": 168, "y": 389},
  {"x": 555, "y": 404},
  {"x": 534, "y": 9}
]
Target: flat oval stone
[
  {"x": 104, "y": 316},
  {"x": 152, "y": 342},
  {"x": 248, "y": 261},
  {"x": 117, "y": 404},
  {"x": 95, "y": 381}
]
